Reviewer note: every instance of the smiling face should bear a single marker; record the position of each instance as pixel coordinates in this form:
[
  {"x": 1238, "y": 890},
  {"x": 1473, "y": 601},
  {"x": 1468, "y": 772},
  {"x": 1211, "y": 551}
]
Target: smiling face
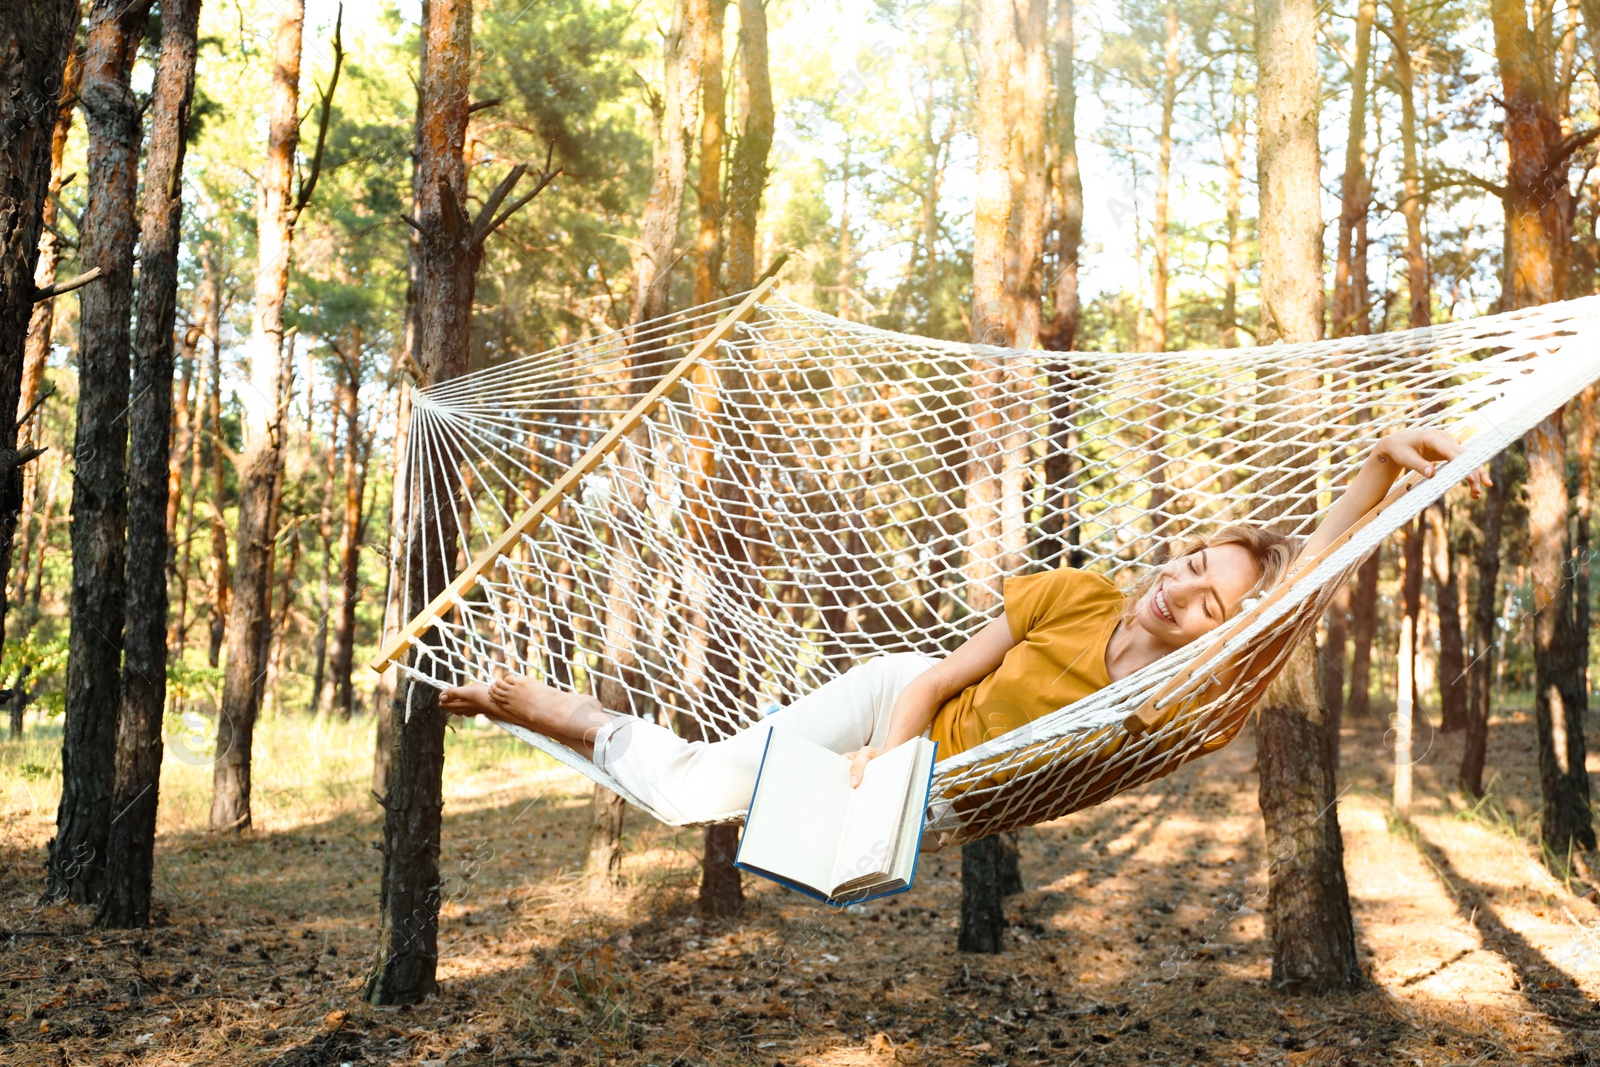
[{"x": 1196, "y": 593}]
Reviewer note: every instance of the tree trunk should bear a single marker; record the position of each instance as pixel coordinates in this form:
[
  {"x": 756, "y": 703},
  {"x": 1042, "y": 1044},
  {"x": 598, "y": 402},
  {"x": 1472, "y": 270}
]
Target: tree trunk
[
  {"x": 1232, "y": 198},
  {"x": 747, "y": 173},
  {"x": 178, "y": 628},
  {"x": 36, "y": 587},
  {"x": 1349, "y": 317},
  {"x": 1349, "y": 298},
  {"x": 1308, "y": 906},
  {"x": 843, "y": 279},
  {"x": 1031, "y": 90},
  {"x": 355, "y": 490},
  {"x": 383, "y": 696},
  {"x": 1582, "y": 555},
  {"x": 263, "y": 696},
  {"x": 721, "y": 891},
  {"x": 721, "y": 888},
  {"x": 321, "y": 693},
  {"x": 41, "y": 324},
  {"x": 38, "y": 73},
  {"x": 262, "y": 453},
  {"x": 983, "y": 861},
  {"x": 1155, "y": 442},
  {"x": 682, "y": 48},
  {"x": 1559, "y": 696},
  {"x": 221, "y": 593},
  {"x": 130, "y": 854},
  {"x": 1538, "y": 206},
  {"x": 713, "y": 138},
  {"x": 1447, "y": 595},
  {"x": 1308, "y": 903},
  {"x": 986, "y": 873},
  {"x": 450, "y": 247},
  {"x": 1068, "y": 191},
  {"x": 1485, "y": 635},
  {"x": 1060, "y": 530},
  {"x": 1162, "y": 230},
  {"x": 1411, "y": 553},
  {"x": 182, "y": 430},
  {"x": 99, "y": 488},
  {"x": 1411, "y": 200},
  {"x": 1363, "y": 626}
]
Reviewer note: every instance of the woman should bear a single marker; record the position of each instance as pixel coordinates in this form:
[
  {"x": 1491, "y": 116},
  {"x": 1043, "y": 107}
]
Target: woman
[{"x": 1062, "y": 635}]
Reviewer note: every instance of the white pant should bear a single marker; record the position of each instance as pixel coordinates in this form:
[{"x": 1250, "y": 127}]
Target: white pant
[{"x": 706, "y": 781}]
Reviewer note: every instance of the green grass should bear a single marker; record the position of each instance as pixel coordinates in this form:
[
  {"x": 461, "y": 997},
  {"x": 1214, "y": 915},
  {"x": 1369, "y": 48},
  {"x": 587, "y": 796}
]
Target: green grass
[{"x": 303, "y": 769}]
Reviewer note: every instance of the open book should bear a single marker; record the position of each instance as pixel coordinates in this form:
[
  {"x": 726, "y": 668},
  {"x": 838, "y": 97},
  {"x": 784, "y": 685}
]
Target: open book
[{"x": 808, "y": 829}]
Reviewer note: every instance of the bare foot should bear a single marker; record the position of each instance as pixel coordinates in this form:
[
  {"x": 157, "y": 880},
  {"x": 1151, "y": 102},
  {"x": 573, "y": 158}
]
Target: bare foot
[
  {"x": 471, "y": 699},
  {"x": 547, "y": 710}
]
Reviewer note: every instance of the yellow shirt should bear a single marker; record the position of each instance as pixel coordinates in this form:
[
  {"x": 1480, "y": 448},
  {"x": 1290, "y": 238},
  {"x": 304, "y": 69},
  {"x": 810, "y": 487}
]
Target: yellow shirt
[{"x": 1061, "y": 621}]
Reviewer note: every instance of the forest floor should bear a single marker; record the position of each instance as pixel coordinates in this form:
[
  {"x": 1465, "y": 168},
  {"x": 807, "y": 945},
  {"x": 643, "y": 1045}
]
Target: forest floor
[{"x": 1123, "y": 949}]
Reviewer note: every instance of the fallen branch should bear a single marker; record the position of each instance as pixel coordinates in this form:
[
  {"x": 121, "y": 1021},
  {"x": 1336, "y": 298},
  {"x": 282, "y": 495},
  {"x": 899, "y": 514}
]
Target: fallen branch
[{"x": 51, "y": 291}]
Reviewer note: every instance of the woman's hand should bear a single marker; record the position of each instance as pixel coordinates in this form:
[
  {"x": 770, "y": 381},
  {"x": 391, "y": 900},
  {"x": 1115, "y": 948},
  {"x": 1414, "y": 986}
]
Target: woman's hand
[
  {"x": 1417, "y": 450},
  {"x": 858, "y": 763},
  {"x": 1420, "y": 450}
]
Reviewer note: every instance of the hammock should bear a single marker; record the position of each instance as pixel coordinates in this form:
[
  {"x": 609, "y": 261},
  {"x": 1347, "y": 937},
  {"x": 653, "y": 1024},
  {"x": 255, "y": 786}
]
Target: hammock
[{"x": 713, "y": 513}]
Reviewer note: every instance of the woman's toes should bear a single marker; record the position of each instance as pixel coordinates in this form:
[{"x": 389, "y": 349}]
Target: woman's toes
[{"x": 467, "y": 699}]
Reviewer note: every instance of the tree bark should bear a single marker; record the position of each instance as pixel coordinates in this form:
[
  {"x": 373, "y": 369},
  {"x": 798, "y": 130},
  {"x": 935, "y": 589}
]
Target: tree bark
[
  {"x": 1068, "y": 190},
  {"x": 99, "y": 490},
  {"x": 713, "y": 138},
  {"x": 41, "y": 324},
  {"x": 1031, "y": 91},
  {"x": 355, "y": 489},
  {"x": 450, "y": 248},
  {"x": 262, "y": 453},
  {"x": 1232, "y": 198},
  {"x": 130, "y": 854},
  {"x": 1162, "y": 229},
  {"x": 1308, "y": 906},
  {"x": 1447, "y": 595},
  {"x": 37, "y": 83},
  {"x": 1538, "y": 208},
  {"x": 1349, "y": 278},
  {"x": 984, "y": 862},
  {"x": 1583, "y": 513},
  {"x": 1349, "y": 317},
  {"x": 683, "y": 47},
  {"x": 747, "y": 172},
  {"x": 983, "y": 874},
  {"x": 1485, "y": 635},
  {"x": 1411, "y": 177},
  {"x": 1363, "y": 626},
  {"x": 1559, "y": 697},
  {"x": 221, "y": 592},
  {"x": 321, "y": 693},
  {"x": 1537, "y": 195},
  {"x": 1059, "y": 542},
  {"x": 1308, "y": 903},
  {"x": 383, "y": 697},
  {"x": 721, "y": 888}
]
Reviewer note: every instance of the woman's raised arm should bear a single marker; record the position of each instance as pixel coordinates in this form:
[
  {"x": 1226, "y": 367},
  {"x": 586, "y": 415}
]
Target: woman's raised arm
[{"x": 1417, "y": 450}]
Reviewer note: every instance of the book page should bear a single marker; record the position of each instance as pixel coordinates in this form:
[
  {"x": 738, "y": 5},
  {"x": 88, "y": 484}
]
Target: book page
[
  {"x": 904, "y": 863},
  {"x": 872, "y": 824},
  {"x": 800, "y": 803}
]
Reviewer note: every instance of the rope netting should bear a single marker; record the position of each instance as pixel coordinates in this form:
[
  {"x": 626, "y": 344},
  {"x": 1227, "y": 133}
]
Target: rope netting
[{"x": 819, "y": 491}]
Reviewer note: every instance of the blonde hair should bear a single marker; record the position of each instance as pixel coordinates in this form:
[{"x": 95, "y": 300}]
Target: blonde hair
[{"x": 1270, "y": 551}]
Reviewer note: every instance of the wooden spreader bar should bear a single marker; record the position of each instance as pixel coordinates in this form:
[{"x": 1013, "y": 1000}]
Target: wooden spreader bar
[{"x": 529, "y": 520}]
